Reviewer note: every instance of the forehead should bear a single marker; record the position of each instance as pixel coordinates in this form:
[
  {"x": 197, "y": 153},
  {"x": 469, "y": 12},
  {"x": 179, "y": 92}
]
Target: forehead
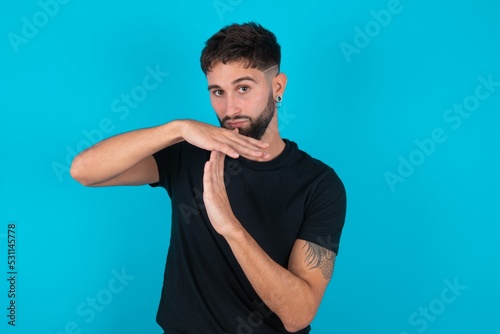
[{"x": 227, "y": 74}]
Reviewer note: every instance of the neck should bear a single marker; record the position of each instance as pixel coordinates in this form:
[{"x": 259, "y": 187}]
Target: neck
[{"x": 276, "y": 143}]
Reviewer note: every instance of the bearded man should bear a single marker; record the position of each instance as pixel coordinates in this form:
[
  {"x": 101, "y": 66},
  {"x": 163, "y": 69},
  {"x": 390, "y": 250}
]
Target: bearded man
[{"x": 256, "y": 222}]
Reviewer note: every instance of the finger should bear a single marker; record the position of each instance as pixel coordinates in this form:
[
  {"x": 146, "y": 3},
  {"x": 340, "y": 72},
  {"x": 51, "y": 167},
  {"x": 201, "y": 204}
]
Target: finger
[
  {"x": 263, "y": 158},
  {"x": 218, "y": 166},
  {"x": 227, "y": 149},
  {"x": 245, "y": 149},
  {"x": 214, "y": 159},
  {"x": 248, "y": 141},
  {"x": 226, "y": 144},
  {"x": 211, "y": 184},
  {"x": 252, "y": 141},
  {"x": 213, "y": 156},
  {"x": 234, "y": 144},
  {"x": 234, "y": 136},
  {"x": 207, "y": 182},
  {"x": 220, "y": 159},
  {"x": 214, "y": 167}
]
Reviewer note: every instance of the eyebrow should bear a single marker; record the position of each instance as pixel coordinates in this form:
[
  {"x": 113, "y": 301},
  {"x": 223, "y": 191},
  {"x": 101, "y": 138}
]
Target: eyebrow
[{"x": 246, "y": 78}]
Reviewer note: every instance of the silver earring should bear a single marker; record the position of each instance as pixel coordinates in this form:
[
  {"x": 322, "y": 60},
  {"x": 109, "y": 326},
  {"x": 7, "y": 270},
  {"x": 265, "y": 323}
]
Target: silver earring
[{"x": 278, "y": 101}]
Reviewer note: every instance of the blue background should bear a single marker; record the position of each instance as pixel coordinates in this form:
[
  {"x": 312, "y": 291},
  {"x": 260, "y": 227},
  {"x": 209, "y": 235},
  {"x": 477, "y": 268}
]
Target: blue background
[{"x": 361, "y": 111}]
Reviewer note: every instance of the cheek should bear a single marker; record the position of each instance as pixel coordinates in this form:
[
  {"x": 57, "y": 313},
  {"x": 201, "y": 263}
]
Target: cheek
[
  {"x": 254, "y": 103},
  {"x": 217, "y": 105},
  {"x": 261, "y": 103}
]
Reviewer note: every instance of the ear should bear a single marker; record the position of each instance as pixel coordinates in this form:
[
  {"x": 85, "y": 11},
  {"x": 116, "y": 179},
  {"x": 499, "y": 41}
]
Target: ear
[{"x": 279, "y": 84}]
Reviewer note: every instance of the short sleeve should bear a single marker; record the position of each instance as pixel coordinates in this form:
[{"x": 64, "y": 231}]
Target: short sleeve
[
  {"x": 164, "y": 160},
  {"x": 325, "y": 213}
]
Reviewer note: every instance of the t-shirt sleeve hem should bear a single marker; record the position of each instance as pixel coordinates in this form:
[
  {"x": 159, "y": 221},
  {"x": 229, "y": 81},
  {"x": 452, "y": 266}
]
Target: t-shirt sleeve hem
[
  {"x": 324, "y": 242},
  {"x": 157, "y": 157}
]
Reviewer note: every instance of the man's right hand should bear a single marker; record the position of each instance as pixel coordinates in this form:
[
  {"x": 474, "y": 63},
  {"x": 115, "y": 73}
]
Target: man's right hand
[
  {"x": 127, "y": 159},
  {"x": 229, "y": 142}
]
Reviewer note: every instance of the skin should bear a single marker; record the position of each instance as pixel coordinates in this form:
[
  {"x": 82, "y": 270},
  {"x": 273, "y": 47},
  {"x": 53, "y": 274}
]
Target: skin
[{"x": 238, "y": 95}]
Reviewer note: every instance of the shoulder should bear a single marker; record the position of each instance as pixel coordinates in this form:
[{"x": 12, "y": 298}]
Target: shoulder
[
  {"x": 323, "y": 186},
  {"x": 316, "y": 168}
]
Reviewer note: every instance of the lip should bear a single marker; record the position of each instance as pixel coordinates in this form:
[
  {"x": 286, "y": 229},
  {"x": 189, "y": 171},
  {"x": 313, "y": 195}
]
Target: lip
[{"x": 236, "y": 124}]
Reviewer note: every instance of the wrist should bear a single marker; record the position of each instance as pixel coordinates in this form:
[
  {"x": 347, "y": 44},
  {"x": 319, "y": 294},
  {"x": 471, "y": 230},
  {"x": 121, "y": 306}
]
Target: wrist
[
  {"x": 235, "y": 233},
  {"x": 172, "y": 131}
]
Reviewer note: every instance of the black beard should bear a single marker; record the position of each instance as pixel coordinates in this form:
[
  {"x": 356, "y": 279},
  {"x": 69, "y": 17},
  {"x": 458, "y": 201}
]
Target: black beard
[{"x": 257, "y": 127}]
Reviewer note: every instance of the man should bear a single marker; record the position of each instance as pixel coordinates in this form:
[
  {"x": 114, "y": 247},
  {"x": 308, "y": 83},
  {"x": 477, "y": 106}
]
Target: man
[{"x": 256, "y": 222}]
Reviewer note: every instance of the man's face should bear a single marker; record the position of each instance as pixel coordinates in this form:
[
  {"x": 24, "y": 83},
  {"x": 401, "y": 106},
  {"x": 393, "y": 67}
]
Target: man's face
[{"x": 242, "y": 98}]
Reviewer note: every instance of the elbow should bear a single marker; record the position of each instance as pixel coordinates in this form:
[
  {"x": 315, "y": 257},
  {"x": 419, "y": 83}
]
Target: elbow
[
  {"x": 295, "y": 324},
  {"x": 77, "y": 172},
  {"x": 295, "y": 327},
  {"x": 301, "y": 315}
]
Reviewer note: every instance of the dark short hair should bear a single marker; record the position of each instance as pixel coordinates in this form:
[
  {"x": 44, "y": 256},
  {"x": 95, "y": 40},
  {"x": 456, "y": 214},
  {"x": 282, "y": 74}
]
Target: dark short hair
[{"x": 248, "y": 42}]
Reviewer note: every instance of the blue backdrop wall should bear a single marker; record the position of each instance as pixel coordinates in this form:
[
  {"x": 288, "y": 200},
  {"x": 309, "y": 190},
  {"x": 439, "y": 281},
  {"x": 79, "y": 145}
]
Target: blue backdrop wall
[{"x": 401, "y": 98}]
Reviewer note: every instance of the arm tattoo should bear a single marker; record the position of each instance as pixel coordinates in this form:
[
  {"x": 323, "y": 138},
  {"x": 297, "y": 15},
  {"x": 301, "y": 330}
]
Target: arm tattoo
[{"x": 319, "y": 257}]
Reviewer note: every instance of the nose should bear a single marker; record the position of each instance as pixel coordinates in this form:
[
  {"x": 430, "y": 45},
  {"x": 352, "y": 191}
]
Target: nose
[{"x": 232, "y": 106}]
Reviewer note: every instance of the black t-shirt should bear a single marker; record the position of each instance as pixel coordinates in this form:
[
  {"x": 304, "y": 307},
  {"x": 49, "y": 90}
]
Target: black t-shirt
[{"x": 291, "y": 197}]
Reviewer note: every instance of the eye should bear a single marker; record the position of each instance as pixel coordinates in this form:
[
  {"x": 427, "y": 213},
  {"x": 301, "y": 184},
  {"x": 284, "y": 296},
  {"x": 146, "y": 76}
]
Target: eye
[
  {"x": 243, "y": 89},
  {"x": 218, "y": 92}
]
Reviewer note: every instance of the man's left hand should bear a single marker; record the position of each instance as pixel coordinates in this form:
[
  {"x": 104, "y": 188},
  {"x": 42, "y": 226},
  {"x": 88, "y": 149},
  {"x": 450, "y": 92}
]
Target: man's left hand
[{"x": 215, "y": 196}]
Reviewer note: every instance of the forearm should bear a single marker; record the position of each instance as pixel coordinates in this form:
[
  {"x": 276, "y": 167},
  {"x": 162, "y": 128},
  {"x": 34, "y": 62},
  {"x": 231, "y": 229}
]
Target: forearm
[
  {"x": 292, "y": 293},
  {"x": 285, "y": 293},
  {"x": 113, "y": 156}
]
